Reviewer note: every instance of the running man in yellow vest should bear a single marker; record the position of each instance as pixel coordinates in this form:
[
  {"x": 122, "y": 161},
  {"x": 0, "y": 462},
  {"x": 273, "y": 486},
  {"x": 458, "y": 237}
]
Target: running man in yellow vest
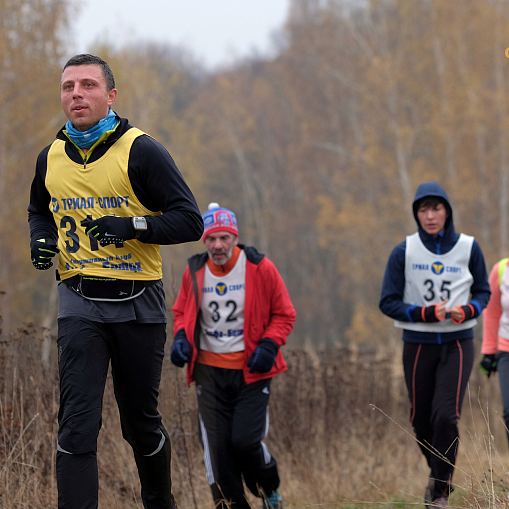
[{"x": 105, "y": 197}]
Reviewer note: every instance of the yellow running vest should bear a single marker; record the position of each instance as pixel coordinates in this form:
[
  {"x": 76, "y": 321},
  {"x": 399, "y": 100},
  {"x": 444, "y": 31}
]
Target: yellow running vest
[{"x": 99, "y": 189}]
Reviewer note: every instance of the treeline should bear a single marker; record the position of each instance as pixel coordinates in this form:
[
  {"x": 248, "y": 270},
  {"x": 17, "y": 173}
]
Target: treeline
[{"x": 318, "y": 151}]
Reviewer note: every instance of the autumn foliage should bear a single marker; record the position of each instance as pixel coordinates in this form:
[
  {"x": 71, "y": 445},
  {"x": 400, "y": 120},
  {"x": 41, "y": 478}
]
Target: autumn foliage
[{"x": 319, "y": 152}]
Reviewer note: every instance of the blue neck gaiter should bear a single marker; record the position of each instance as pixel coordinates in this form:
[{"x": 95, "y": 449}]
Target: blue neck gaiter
[{"x": 87, "y": 138}]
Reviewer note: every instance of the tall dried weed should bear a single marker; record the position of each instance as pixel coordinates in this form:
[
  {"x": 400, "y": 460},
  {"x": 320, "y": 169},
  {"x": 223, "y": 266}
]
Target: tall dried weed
[{"x": 339, "y": 431}]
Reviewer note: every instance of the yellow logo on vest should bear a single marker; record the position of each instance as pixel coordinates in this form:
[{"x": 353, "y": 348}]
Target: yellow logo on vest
[
  {"x": 221, "y": 289},
  {"x": 437, "y": 268}
]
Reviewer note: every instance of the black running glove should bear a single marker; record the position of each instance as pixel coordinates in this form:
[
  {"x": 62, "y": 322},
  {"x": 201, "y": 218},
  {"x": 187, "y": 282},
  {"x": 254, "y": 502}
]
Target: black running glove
[
  {"x": 42, "y": 251},
  {"x": 263, "y": 358},
  {"x": 488, "y": 364},
  {"x": 110, "y": 229},
  {"x": 181, "y": 351}
]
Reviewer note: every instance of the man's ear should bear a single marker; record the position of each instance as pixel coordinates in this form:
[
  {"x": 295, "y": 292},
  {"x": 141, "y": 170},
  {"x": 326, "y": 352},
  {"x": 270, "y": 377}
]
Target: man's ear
[{"x": 112, "y": 96}]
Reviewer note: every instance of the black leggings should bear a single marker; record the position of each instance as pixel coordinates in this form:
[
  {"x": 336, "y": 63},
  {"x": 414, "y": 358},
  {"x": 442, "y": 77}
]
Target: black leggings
[
  {"x": 436, "y": 377},
  {"x": 136, "y": 352}
]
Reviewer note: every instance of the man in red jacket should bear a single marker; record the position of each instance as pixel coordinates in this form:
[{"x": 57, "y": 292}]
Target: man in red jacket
[{"x": 232, "y": 315}]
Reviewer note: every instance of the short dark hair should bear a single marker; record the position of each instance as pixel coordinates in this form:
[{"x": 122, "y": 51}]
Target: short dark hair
[
  {"x": 430, "y": 201},
  {"x": 87, "y": 59},
  {"x": 433, "y": 201}
]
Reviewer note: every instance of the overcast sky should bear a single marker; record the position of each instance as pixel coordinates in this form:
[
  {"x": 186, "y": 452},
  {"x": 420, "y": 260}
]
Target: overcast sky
[{"x": 216, "y": 31}]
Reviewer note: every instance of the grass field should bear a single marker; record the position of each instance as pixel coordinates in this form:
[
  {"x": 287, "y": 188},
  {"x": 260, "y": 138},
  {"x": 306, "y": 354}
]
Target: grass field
[{"x": 339, "y": 430}]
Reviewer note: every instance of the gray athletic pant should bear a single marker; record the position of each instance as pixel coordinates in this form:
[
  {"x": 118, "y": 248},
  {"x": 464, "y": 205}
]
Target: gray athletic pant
[{"x": 503, "y": 378}]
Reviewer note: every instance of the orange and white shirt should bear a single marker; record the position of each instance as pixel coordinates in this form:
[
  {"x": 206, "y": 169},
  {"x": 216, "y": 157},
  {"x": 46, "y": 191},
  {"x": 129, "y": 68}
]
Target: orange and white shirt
[{"x": 496, "y": 313}]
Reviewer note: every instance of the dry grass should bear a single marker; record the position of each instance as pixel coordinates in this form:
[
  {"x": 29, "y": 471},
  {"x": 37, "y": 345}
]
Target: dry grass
[{"x": 339, "y": 430}]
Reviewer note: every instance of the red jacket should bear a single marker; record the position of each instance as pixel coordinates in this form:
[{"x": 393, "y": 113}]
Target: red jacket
[{"x": 268, "y": 311}]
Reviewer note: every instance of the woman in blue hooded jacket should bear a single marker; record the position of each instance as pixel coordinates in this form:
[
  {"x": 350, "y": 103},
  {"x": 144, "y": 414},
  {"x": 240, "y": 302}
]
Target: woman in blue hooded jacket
[{"x": 435, "y": 286}]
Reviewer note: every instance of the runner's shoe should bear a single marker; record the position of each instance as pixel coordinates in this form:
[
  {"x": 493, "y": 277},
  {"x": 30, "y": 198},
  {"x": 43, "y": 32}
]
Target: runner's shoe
[
  {"x": 441, "y": 502},
  {"x": 273, "y": 501},
  {"x": 428, "y": 500}
]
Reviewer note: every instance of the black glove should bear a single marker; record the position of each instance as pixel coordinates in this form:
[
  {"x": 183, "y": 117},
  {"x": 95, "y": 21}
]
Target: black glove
[
  {"x": 424, "y": 314},
  {"x": 181, "y": 350},
  {"x": 488, "y": 364},
  {"x": 42, "y": 251},
  {"x": 264, "y": 356},
  {"x": 110, "y": 229}
]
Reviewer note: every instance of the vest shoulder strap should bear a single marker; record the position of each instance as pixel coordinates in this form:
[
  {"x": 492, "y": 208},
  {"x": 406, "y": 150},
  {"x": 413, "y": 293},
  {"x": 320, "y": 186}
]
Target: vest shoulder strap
[{"x": 501, "y": 267}]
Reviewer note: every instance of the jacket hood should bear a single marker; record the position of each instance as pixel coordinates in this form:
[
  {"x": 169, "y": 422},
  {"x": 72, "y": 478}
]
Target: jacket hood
[{"x": 432, "y": 189}]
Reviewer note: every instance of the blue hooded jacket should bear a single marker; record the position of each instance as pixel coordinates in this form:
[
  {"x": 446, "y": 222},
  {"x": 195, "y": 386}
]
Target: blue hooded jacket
[{"x": 391, "y": 302}]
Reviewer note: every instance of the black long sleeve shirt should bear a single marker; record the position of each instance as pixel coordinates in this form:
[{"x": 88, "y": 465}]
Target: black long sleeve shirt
[
  {"x": 155, "y": 179},
  {"x": 159, "y": 186}
]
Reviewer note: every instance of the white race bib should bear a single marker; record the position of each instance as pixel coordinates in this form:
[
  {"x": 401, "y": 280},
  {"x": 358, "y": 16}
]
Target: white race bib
[
  {"x": 432, "y": 278},
  {"x": 222, "y": 309}
]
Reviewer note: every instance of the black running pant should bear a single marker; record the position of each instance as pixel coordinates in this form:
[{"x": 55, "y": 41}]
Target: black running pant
[
  {"x": 233, "y": 422},
  {"x": 436, "y": 378},
  {"x": 136, "y": 351}
]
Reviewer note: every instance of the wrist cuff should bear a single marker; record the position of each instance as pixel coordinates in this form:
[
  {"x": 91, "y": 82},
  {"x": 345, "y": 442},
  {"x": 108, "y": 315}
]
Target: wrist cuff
[
  {"x": 181, "y": 334},
  {"x": 429, "y": 314},
  {"x": 269, "y": 344},
  {"x": 416, "y": 314}
]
